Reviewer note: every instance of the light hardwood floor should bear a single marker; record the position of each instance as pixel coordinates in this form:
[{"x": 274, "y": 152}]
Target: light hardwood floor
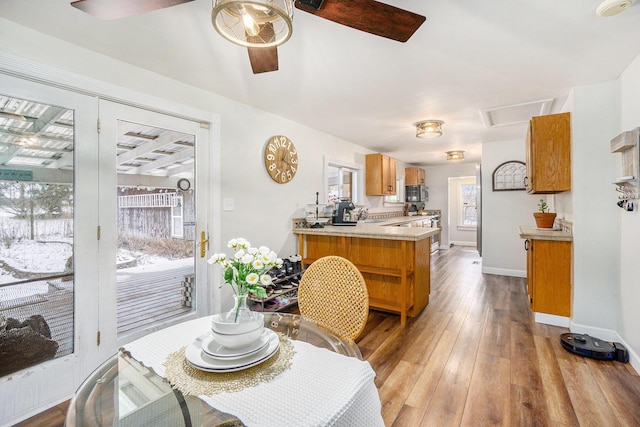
[{"x": 474, "y": 357}]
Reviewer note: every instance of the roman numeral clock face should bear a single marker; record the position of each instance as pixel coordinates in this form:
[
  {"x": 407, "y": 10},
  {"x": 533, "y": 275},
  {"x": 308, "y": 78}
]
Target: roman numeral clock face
[{"x": 281, "y": 159}]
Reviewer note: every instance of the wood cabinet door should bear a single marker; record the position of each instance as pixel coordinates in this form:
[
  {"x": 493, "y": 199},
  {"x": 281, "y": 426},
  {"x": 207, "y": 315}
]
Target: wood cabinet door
[
  {"x": 414, "y": 176},
  {"x": 551, "y": 277},
  {"x": 380, "y": 175},
  {"x": 390, "y": 185},
  {"x": 549, "y": 154},
  {"x": 411, "y": 176}
]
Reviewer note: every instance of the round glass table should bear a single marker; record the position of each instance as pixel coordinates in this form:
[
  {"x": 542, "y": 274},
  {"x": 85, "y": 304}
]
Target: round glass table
[{"x": 123, "y": 392}]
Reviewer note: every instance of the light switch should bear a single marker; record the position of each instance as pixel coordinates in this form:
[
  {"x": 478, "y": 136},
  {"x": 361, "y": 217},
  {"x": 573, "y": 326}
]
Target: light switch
[{"x": 227, "y": 204}]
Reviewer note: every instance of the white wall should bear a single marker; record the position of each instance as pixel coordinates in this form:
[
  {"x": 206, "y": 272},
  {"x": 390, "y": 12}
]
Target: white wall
[
  {"x": 596, "y": 218},
  {"x": 629, "y": 291},
  {"x": 437, "y": 178},
  {"x": 503, "y": 212}
]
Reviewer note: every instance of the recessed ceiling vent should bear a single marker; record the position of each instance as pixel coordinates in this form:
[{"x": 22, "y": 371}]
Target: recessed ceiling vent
[
  {"x": 514, "y": 114},
  {"x": 613, "y": 7}
]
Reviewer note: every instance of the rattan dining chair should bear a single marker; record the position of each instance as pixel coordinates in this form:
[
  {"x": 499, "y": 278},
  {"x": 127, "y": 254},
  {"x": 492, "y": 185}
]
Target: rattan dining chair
[{"x": 333, "y": 294}]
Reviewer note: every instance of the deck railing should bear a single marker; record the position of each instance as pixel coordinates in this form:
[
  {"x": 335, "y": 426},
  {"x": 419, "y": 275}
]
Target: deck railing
[{"x": 156, "y": 200}]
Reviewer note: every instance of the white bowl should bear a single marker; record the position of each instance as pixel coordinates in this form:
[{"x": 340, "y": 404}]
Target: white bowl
[
  {"x": 234, "y": 341},
  {"x": 220, "y": 324}
]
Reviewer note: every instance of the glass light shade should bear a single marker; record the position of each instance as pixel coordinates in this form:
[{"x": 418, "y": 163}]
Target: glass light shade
[
  {"x": 455, "y": 155},
  {"x": 253, "y": 23},
  {"x": 429, "y": 128}
]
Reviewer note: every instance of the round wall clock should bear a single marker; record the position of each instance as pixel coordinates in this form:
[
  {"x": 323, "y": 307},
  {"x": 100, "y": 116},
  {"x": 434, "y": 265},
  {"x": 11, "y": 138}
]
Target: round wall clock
[{"x": 281, "y": 159}]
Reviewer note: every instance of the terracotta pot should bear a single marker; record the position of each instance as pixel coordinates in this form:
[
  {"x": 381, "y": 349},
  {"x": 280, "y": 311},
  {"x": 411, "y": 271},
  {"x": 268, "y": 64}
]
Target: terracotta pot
[{"x": 544, "y": 219}]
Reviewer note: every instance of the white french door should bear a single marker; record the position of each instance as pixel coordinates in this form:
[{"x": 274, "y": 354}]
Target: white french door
[
  {"x": 107, "y": 177},
  {"x": 152, "y": 213},
  {"x": 56, "y": 148}
]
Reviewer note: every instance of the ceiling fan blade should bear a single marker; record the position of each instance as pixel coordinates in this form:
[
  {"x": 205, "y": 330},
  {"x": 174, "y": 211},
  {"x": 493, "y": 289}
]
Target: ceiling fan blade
[
  {"x": 114, "y": 9},
  {"x": 366, "y": 15},
  {"x": 263, "y": 59}
]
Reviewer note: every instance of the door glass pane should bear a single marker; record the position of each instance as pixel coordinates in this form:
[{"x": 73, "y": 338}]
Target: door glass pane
[
  {"x": 36, "y": 233},
  {"x": 155, "y": 225}
]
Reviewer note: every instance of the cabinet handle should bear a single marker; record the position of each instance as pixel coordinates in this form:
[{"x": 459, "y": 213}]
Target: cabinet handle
[
  {"x": 525, "y": 181},
  {"x": 526, "y": 245}
]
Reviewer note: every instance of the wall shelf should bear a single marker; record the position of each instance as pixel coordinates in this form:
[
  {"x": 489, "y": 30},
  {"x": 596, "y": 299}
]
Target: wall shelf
[{"x": 628, "y": 145}]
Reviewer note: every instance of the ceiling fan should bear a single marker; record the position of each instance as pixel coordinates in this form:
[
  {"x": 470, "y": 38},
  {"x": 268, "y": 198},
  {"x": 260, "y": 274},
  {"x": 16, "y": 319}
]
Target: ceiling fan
[{"x": 369, "y": 16}]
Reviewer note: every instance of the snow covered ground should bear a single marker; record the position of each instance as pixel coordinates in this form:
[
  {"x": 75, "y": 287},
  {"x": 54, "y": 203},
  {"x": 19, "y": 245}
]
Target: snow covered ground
[{"x": 51, "y": 257}]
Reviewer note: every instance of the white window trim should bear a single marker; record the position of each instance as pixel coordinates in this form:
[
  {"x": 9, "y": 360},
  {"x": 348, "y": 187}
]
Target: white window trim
[
  {"x": 358, "y": 179},
  {"x": 399, "y": 194}
]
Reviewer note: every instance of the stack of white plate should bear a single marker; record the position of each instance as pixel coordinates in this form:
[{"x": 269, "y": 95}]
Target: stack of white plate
[{"x": 206, "y": 354}]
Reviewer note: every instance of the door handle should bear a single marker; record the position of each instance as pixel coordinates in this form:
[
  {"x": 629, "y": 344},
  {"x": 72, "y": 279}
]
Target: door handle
[{"x": 204, "y": 244}]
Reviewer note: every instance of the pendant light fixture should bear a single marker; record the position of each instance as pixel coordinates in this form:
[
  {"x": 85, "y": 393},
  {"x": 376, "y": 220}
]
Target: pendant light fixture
[
  {"x": 429, "y": 128},
  {"x": 455, "y": 155},
  {"x": 613, "y": 7},
  {"x": 253, "y": 23}
]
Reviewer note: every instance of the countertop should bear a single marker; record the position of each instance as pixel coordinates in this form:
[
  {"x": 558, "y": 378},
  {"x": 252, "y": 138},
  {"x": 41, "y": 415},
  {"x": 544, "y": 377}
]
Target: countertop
[
  {"x": 388, "y": 229},
  {"x": 534, "y": 233}
]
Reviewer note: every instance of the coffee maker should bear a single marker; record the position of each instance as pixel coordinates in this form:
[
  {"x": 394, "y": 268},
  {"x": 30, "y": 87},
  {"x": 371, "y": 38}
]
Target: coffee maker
[{"x": 342, "y": 213}]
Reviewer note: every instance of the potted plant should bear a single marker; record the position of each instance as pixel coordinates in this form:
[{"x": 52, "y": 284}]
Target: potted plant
[
  {"x": 246, "y": 271},
  {"x": 544, "y": 219}
]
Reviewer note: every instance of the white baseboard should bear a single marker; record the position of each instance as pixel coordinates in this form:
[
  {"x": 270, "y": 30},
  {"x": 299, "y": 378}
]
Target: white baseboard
[
  {"x": 504, "y": 272},
  {"x": 552, "y": 319},
  {"x": 461, "y": 243}
]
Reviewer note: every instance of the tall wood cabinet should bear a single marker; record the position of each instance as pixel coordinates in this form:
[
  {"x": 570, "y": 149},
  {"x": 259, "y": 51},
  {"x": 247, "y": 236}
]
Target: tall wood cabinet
[
  {"x": 380, "y": 175},
  {"x": 548, "y": 152},
  {"x": 549, "y": 276},
  {"x": 415, "y": 176}
]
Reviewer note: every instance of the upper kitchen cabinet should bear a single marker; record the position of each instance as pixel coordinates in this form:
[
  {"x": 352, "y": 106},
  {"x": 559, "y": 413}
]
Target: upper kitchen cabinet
[
  {"x": 548, "y": 151},
  {"x": 414, "y": 176},
  {"x": 381, "y": 175}
]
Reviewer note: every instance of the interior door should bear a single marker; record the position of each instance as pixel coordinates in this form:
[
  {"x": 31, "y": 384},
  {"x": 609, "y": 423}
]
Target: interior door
[{"x": 153, "y": 212}]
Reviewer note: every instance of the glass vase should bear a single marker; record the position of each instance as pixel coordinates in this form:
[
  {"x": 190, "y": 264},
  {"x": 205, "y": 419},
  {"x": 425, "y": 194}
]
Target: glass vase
[{"x": 240, "y": 311}]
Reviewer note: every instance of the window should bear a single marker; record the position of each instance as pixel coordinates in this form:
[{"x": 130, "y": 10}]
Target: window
[
  {"x": 341, "y": 182},
  {"x": 399, "y": 196},
  {"x": 468, "y": 212}
]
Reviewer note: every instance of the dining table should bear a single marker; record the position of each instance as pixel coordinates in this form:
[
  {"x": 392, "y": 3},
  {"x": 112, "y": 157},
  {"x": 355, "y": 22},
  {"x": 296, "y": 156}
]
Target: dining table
[{"x": 313, "y": 378}]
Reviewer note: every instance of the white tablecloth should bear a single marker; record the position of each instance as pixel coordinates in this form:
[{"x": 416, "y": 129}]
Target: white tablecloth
[{"x": 322, "y": 388}]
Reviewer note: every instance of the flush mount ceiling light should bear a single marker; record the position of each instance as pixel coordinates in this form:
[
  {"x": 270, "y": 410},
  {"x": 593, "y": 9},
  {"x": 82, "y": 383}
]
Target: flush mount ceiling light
[
  {"x": 455, "y": 155},
  {"x": 253, "y": 23},
  {"x": 429, "y": 128},
  {"x": 613, "y": 7}
]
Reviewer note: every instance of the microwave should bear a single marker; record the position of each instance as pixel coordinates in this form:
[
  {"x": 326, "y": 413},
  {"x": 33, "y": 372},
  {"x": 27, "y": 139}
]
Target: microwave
[{"x": 416, "y": 193}]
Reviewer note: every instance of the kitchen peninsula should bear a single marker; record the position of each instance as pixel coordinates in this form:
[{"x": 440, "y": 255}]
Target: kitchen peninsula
[{"x": 394, "y": 260}]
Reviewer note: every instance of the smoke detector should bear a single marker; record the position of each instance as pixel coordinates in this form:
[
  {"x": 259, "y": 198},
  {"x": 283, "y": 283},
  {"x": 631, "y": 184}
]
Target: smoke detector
[{"x": 613, "y": 7}]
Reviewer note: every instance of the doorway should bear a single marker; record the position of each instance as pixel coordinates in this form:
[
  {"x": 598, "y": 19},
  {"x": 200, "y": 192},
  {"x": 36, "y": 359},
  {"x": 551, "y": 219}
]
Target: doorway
[
  {"x": 463, "y": 212},
  {"x": 152, "y": 215},
  {"x": 61, "y": 183}
]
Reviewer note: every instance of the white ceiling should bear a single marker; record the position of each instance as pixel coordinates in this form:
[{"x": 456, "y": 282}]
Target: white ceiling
[{"x": 467, "y": 56}]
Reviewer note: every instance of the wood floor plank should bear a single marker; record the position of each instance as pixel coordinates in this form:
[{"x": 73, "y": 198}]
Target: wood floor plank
[
  {"x": 496, "y": 333},
  {"x": 524, "y": 366},
  {"x": 589, "y": 402},
  {"x": 428, "y": 379},
  {"x": 447, "y": 405},
  {"x": 557, "y": 398},
  {"x": 395, "y": 390},
  {"x": 619, "y": 388},
  {"x": 489, "y": 385}
]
